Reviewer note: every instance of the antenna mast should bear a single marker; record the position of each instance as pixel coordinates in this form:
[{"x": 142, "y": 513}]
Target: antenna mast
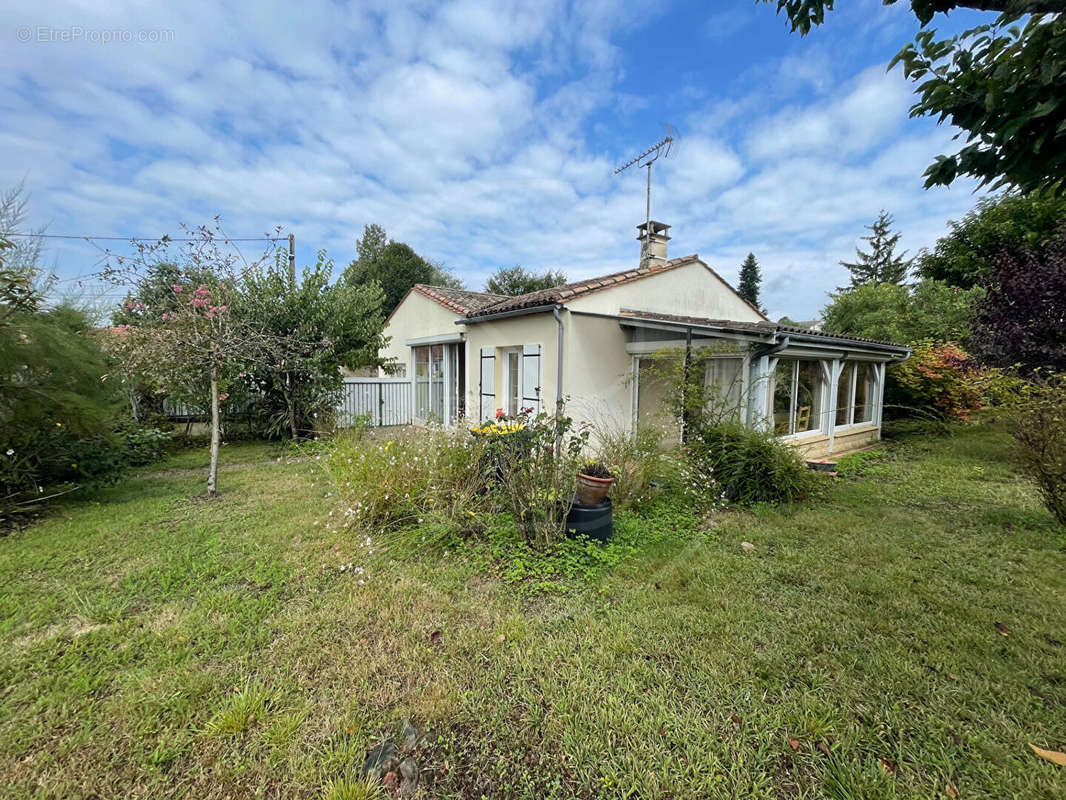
[{"x": 646, "y": 159}]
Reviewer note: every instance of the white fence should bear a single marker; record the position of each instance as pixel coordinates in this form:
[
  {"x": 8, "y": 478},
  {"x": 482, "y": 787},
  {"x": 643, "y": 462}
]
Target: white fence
[{"x": 385, "y": 401}]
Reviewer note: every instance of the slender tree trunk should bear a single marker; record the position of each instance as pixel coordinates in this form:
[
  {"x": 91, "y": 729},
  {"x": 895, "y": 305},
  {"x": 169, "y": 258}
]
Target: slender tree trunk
[
  {"x": 291, "y": 404},
  {"x": 212, "y": 473}
]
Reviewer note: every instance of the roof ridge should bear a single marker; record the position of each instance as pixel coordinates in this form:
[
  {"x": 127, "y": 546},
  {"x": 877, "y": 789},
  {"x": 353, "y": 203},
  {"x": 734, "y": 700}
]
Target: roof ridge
[{"x": 555, "y": 294}]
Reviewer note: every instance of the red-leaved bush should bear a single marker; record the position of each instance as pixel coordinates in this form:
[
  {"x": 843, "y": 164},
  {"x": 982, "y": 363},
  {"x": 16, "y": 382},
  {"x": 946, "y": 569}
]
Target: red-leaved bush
[{"x": 940, "y": 379}]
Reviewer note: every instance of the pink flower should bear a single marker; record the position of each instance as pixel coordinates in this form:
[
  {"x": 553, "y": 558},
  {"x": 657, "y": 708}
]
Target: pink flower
[
  {"x": 176, "y": 288},
  {"x": 224, "y": 396},
  {"x": 500, "y": 413}
]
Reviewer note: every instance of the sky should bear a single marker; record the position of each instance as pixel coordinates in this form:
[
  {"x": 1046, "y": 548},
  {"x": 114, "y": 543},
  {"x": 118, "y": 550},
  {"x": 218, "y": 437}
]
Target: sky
[{"x": 484, "y": 134}]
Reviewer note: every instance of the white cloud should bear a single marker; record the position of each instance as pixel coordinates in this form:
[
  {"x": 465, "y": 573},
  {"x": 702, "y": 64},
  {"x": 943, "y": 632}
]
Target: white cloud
[{"x": 483, "y": 133}]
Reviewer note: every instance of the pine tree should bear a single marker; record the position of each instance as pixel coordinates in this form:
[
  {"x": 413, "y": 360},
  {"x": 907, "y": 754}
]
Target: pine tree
[
  {"x": 750, "y": 279},
  {"x": 880, "y": 264}
]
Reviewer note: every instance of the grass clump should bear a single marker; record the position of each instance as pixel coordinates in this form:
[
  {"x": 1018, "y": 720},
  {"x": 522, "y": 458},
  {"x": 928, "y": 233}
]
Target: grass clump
[
  {"x": 396, "y": 479},
  {"x": 240, "y": 711},
  {"x": 751, "y": 467}
]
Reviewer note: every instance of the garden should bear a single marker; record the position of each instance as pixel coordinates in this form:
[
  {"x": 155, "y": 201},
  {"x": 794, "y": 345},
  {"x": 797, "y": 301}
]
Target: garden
[
  {"x": 532, "y": 606},
  {"x": 897, "y": 637}
]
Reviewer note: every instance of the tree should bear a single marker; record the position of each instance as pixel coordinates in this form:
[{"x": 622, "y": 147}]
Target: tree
[
  {"x": 369, "y": 247},
  {"x": 880, "y": 264},
  {"x": 1000, "y": 83},
  {"x": 57, "y": 415},
  {"x": 1006, "y": 222},
  {"x": 155, "y": 290},
  {"x": 326, "y": 326},
  {"x": 517, "y": 280},
  {"x": 928, "y": 311},
  {"x": 23, "y": 252},
  {"x": 750, "y": 280},
  {"x": 395, "y": 266},
  {"x": 1020, "y": 320},
  {"x": 199, "y": 340}
]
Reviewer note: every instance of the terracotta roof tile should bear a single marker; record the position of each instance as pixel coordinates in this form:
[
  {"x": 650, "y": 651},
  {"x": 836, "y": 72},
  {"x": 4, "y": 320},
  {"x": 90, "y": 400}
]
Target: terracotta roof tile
[{"x": 460, "y": 301}]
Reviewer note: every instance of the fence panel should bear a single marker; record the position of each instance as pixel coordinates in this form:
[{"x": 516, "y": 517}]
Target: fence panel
[{"x": 386, "y": 401}]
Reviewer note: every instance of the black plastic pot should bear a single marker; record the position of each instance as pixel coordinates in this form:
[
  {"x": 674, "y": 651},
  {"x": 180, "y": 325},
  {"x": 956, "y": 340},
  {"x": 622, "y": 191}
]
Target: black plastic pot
[{"x": 596, "y": 522}]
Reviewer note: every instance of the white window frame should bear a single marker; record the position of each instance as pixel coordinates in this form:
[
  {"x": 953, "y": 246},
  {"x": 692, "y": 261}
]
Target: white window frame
[
  {"x": 825, "y": 423},
  {"x": 447, "y": 389},
  {"x": 708, "y": 375},
  {"x": 874, "y": 399},
  {"x": 508, "y": 353}
]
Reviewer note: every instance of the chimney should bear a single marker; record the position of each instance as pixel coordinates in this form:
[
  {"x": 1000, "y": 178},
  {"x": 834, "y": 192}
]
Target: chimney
[{"x": 653, "y": 237}]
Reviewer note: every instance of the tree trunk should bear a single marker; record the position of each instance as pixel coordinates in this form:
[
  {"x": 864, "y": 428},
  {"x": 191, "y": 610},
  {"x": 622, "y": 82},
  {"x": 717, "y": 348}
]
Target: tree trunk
[
  {"x": 291, "y": 404},
  {"x": 212, "y": 472}
]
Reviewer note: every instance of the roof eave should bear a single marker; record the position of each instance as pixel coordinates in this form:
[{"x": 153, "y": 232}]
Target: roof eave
[{"x": 514, "y": 312}]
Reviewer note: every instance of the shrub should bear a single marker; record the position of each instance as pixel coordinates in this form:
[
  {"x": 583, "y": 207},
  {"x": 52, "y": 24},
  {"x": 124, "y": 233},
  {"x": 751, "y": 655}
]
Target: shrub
[
  {"x": 938, "y": 379},
  {"x": 1037, "y": 421},
  {"x": 143, "y": 445},
  {"x": 391, "y": 480},
  {"x": 645, "y": 472},
  {"x": 750, "y": 466},
  {"x": 536, "y": 460},
  {"x": 1019, "y": 321}
]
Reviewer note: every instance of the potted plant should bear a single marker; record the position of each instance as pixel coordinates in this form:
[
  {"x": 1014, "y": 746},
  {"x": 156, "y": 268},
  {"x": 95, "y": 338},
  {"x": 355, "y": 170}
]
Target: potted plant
[{"x": 593, "y": 483}]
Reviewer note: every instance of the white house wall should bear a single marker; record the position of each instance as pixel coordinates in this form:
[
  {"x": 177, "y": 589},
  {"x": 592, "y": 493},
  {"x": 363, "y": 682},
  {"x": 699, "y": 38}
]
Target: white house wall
[
  {"x": 597, "y": 370},
  {"x": 511, "y": 332},
  {"x": 691, "y": 290},
  {"x": 415, "y": 318}
]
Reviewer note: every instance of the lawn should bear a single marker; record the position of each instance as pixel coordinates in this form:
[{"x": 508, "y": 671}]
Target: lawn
[{"x": 904, "y": 637}]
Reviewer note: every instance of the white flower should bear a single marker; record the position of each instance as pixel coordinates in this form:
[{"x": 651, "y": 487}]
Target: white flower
[{"x": 10, "y": 452}]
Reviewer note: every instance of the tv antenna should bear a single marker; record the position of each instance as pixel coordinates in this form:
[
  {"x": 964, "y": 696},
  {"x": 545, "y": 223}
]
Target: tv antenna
[{"x": 649, "y": 157}]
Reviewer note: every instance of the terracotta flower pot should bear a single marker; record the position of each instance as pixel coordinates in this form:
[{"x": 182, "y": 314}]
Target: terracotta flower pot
[{"x": 592, "y": 491}]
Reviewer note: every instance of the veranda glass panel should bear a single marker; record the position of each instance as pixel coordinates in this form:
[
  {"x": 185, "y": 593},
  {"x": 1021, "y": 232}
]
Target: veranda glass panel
[
  {"x": 809, "y": 397},
  {"x": 436, "y": 375},
  {"x": 844, "y": 395},
  {"x": 865, "y": 393},
  {"x": 782, "y": 397},
  {"x": 724, "y": 386},
  {"x": 422, "y": 382}
]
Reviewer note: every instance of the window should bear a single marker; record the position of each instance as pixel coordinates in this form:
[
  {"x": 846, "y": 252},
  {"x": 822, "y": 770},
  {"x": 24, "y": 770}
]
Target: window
[
  {"x": 857, "y": 393},
  {"x": 798, "y": 397},
  {"x": 429, "y": 382},
  {"x": 782, "y": 397},
  {"x": 723, "y": 378},
  {"x": 514, "y": 359},
  {"x": 809, "y": 383},
  {"x": 844, "y": 384}
]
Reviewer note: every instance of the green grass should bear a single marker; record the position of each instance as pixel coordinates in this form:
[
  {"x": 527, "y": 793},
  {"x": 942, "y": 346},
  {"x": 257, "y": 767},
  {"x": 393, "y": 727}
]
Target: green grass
[{"x": 156, "y": 644}]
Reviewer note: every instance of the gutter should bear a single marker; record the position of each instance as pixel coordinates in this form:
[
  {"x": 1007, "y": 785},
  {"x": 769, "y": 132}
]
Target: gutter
[
  {"x": 852, "y": 345},
  {"x": 517, "y": 312},
  {"x": 559, "y": 360},
  {"x": 770, "y": 349}
]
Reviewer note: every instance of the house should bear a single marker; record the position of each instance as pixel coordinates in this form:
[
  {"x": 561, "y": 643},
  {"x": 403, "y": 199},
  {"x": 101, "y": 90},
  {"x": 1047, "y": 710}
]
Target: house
[{"x": 591, "y": 343}]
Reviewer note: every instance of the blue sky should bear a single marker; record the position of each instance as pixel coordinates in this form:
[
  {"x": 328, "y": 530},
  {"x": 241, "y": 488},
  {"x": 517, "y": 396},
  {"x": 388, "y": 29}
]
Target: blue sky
[{"x": 484, "y": 134}]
